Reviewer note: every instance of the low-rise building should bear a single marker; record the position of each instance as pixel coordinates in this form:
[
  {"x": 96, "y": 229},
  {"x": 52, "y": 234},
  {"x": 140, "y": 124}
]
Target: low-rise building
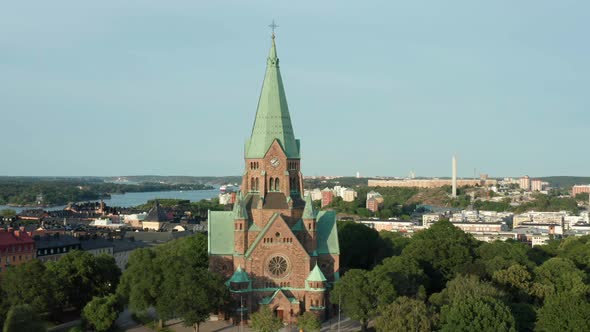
[
  {"x": 16, "y": 247},
  {"x": 97, "y": 246},
  {"x": 50, "y": 247},
  {"x": 390, "y": 225},
  {"x": 122, "y": 249},
  {"x": 579, "y": 189}
]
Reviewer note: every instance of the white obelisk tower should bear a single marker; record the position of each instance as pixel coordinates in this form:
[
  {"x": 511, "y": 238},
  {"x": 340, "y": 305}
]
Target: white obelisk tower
[{"x": 454, "y": 177}]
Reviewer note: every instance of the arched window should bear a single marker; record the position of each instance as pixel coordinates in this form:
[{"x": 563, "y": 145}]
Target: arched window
[
  {"x": 277, "y": 184},
  {"x": 252, "y": 188},
  {"x": 257, "y": 185},
  {"x": 271, "y": 185}
]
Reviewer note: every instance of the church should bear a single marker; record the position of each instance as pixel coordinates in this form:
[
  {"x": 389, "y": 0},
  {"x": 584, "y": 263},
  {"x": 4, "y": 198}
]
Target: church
[{"x": 274, "y": 248}]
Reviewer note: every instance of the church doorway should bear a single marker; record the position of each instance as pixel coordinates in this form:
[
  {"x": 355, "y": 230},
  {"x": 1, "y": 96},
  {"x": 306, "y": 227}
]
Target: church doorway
[{"x": 279, "y": 313}]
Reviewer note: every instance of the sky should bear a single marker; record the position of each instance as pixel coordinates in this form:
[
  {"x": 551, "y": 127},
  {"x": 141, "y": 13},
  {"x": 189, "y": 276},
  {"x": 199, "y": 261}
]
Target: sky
[{"x": 383, "y": 88}]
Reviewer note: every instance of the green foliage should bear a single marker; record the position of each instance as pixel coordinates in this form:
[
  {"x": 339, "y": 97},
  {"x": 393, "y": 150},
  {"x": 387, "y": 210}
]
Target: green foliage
[
  {"x": 101, "y": 312},
  {"x": 30, "y": 284},
  {"x": 360, "y": 293},
  {"x": 174, "y": 278},
  {"x": 360, "y": 246},
  {"x": 23, "y": 318},
  {"x": 564, "y": 312},
  {"x": 7, "y": 213},
  {"x": 403, "y": 272},
  {"x": 56, "y": 191},
  {"x": 404, "y": 314},
  {"x": 443, "y": 250},
  {"x": 516, "y": 280},
  {"x": 484, "y": 314},
  {"x": 500, "y": 255},
  {"x": 308, "y": 322},
  {"x": 394, "y": 243},
  {"x": 79, "y": 276},
  {"x": 501, "y": 206},
  {"x": 464, "y": 287},
  {"x": 559, "y": 275},
  {"x": 264, "y": 320},
  {"x": 543, "y": 202}
]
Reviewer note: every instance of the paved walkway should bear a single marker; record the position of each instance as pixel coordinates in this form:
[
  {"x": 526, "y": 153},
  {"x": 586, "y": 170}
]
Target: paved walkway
[{"x": 126, "y": 322}]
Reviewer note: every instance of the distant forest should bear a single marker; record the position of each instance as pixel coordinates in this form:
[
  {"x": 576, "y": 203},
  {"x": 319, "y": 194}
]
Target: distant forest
[
  {"x": 48, "y": 191},
  {"x": 565, "y": 181}
]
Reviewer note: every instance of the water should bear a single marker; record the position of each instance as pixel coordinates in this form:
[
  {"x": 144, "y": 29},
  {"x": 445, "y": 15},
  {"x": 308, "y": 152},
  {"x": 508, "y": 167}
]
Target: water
[{"x": 134, "y": 199}]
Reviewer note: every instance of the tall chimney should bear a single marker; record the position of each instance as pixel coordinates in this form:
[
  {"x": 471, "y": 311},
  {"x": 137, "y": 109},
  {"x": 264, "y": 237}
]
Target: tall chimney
[{"x": 454, "y": 177}]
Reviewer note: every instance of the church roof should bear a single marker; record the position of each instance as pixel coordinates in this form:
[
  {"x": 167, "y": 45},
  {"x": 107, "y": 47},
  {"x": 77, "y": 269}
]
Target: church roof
[
  {"x": 221, "y": 232},
  {"x": 327, "y": 233},
  {"x": 156, "y": 213},
  {"x": 316, "y": 275},
  {"x": 272, "y": 116},
  {"x": 239, "y": 208},
  {"x": 268, "y": 299},
  {"x": 308, "y": 211},
  {"x": 239, "y": 276}
]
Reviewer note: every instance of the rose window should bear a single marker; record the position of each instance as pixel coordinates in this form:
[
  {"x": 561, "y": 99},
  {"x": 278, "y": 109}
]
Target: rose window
[{"x": 277, "y": 266}]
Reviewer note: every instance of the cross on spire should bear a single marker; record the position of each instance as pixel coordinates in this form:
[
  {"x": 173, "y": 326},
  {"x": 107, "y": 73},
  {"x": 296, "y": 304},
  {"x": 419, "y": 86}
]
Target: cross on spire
[{"x": 273, "y": 26}]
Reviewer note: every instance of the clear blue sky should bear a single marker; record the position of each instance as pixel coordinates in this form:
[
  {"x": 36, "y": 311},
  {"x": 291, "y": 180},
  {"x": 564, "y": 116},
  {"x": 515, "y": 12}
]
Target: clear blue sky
[{"x": 117, "y": 87}]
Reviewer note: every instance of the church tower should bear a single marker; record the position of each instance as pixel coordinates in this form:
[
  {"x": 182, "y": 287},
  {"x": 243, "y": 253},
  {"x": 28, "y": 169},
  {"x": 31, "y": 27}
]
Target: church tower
[{"x": 285, "y": 253}]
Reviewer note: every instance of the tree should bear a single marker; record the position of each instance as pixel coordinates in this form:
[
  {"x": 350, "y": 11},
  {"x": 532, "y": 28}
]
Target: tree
[
  {"x": 403, "y": 272},
  {"x": 477, "y": 314},
  {"x": 394, "y": 243},
  {"x": 443, "y": 250},
  {"x": 264, "y": 320},
  {"x": 101, "y": 312},
  {"x": 359, "y": 293},
  {"x": 308, "y": 322},
  {"x": 359, "y": 245},
  {"x": 515, "y": 280},
  {"x": 78, "y": 276},
  {"x": 499, "y": 255},
  {"x": 564, "y": 312},
  {"x": 29, "y": 284},
  {"x": 559, "y": 275},
  {"x": 405, "y": 314},
  {"x": 140, "y": 283},
  {"x": 462, "y": 288},
  {"x": 23, "y": 318}
]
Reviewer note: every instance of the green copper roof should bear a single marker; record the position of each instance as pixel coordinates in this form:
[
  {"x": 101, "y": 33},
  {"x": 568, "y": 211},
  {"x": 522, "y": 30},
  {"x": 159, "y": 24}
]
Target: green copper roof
[
  {"x": 316, "y": 275},
  {"x": 267, "y": 300},
  {"x": 327, "y": 233},
  {"x": 298, "y": 227},
  {"x": 272, "y": 116},
  {"x": 239, "y": 276},
  {"x": 308, "y": 212},
  {"x": 221, "y": 232}
]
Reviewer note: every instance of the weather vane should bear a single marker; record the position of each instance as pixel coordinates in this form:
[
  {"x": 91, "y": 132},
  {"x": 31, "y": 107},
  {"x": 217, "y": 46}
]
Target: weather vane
[{"x": 273, "y": 26}]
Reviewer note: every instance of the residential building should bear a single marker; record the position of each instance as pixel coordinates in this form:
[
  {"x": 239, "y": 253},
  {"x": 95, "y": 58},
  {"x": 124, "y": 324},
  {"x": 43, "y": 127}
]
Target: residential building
[
  {"x": 274, "y": 249},
  {"x": 349, "y": 195},
  {"x": 155, "y": 218},
  {"x": 525, "y": 183},
  {"x": 579, "y": 189},
  {"x": 373, "y": 204},
  {"x": 51, "y": 247},
  {"x": 431, "y": 183},
  {"x": 97, "y": 246},
  {"x": 327, "y": 197},
  {"x": 16, "y": 247},
  {"x": 390, "y": 225},
  {"x": 536, "y": 185}
]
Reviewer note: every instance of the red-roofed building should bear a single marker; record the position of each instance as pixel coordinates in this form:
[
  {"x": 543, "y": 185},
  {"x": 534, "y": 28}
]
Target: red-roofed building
[{"x": 16, "y": 247}]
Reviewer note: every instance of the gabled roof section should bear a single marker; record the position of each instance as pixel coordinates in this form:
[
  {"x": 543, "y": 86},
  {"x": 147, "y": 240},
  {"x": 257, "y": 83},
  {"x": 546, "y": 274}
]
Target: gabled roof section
[
  {"x": 327, "y": 233},
  {"x": 221, "y": 232},
  {"x": 308, "y": 211},
  {"x": 298, "y": 227},
  {"x": 272, "y": 116},
  {"x": 316, "y": 275},
  {"x": 156, "y": 213},
  {"x": 267, "y": 300},
  {"x": 261, "y": 234},
  {"x": 239, "y": 276}
]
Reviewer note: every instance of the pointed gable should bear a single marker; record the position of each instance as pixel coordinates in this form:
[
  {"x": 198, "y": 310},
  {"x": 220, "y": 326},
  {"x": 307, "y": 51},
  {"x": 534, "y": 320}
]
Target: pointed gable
[{"x": 272, "y": 116}]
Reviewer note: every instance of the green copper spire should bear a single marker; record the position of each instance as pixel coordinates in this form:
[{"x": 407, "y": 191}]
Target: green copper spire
[
  {"x": 316, "y": 275},
  {"x": 308, "y": 211},
  {"x": 272, "y": 116}
]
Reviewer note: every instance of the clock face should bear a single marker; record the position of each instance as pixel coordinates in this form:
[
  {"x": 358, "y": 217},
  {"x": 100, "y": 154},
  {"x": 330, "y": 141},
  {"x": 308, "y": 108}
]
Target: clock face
[{"x": 274, "y": 162}]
